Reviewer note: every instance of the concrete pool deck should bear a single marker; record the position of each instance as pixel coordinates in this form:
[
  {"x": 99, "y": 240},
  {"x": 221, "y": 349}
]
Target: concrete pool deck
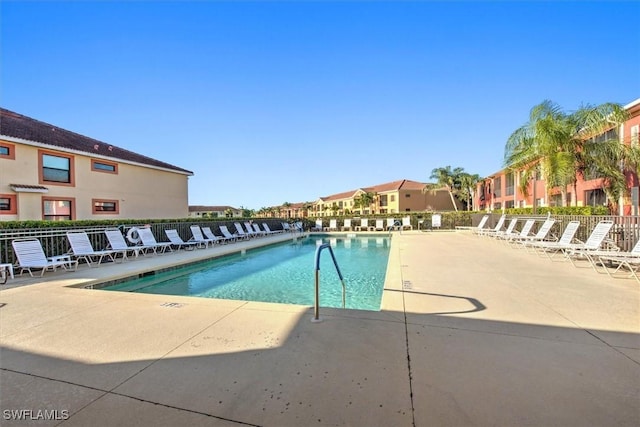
[{"x": 472, "y": 332}]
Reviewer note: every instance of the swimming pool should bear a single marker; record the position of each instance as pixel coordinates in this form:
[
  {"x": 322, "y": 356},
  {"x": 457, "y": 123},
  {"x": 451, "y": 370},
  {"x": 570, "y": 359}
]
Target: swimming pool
[{"x": 282, "y": 273}]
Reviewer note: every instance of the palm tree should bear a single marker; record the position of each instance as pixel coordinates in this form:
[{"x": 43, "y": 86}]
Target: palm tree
[
  {"x": 286, "y": 206},
  {"x": 467, "y": 184},
  {"x": 561, "y": 146},
  {"x": 447, "y": 178},
  {"x": 307, "y": 207},
  {"x": 367, "y": 199}
]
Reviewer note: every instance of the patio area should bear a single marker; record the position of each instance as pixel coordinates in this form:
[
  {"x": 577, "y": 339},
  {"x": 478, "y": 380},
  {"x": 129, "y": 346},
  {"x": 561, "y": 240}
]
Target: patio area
[{"x": 471, "y": 333}]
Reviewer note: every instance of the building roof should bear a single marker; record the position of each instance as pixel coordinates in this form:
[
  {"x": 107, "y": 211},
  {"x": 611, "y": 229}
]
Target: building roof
[
  {"x": 200, "y": 208},
  {"x": 339, "y": 196},
  {"x": 402, "y": 184},
  {"x": 14, "y": 125}
]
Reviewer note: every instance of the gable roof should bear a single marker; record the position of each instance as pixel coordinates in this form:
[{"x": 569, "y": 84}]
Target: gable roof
[
  {"x": 402, "y": 184},
  {"x": 14, "y": 125},
  {"x": 201, "y": 208},
  {"x": 339, "y": 196}
]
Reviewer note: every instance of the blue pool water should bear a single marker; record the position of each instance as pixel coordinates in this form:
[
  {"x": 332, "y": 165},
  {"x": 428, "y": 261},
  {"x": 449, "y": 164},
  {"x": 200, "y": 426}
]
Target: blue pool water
[{"x": 283, "y": 273}]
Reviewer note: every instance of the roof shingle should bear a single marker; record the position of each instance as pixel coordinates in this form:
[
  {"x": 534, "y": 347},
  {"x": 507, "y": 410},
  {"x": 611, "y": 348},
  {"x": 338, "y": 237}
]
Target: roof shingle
[{"x": 22, "y": 127}]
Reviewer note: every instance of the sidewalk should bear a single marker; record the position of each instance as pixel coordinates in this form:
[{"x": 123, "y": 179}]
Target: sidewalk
[{"x": 472, "y": 332}]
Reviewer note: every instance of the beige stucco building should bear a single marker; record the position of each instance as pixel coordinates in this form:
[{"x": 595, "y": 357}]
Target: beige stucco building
[
  {"x": 198, "y": 211},
  {"x": 393, "y": 197},
  {"x": 53, "y": 174}
]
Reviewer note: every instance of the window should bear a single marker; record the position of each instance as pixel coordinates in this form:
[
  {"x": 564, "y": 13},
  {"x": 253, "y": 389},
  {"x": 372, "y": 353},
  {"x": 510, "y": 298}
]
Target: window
[
  {"x": 611, "y": 134},
  {"x": 509, "y": 204},
  {"x": 497, "y": 187},
  {"x": 555, "y": 200},
  {"x": 407, "y": 195},
  {"x": 104, "y": 166},
  {"x": 7, "y": 151},
  {"x": 106, "y": 206},
  {"x": 55, "y": 168},
  {"x": 392, "y": 198},
  {"x": 8, "y": 205},
  {"x": 595, "y": 197},
  {"x": 635, "y": 135},
  {"x": 58, "y": 209},
  {"x": 510, "y": 184},
  {"x": 497, "y": 206}
]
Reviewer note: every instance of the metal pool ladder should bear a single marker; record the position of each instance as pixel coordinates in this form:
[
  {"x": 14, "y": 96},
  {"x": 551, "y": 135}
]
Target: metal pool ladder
[{"x": 316, "y": 311}]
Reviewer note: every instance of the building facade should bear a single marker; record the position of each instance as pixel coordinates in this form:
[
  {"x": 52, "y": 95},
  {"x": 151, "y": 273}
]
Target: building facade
[
  {"x": 49, "y": 173},
  {"x": 392, "y": 197},
  {"x": 501, "y": 190},
  {"x": 214, "y": 212}
]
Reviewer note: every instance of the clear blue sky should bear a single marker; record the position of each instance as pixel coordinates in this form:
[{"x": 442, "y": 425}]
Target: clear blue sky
[{"x": 272, "y": 102}]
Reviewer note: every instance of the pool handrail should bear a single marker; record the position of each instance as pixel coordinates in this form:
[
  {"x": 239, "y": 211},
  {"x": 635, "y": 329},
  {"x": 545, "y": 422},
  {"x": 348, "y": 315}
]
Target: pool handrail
[{"x": 316, "y": 311}]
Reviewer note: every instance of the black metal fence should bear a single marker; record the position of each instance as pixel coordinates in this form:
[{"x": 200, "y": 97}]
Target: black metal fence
[
  {"x": 624, "y": 233},
  {"x": 54, "y": 240}
]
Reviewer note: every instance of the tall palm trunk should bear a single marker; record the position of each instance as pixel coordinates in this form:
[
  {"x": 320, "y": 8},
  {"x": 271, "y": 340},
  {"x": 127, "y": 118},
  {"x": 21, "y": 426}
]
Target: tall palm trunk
[{"x": 453, "y": 200}]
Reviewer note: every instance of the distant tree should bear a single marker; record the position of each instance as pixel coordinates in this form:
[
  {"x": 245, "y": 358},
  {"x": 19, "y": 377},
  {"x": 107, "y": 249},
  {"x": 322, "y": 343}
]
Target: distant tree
[
  {"x": 467, "y": 187},
  {"x": 447, "y": 178},
  {"x": 307, "y": 206},
  {"x": 228, "y": 213},
  {"x": 286, "y": 206},
  {"x": 367, "y": 199}
]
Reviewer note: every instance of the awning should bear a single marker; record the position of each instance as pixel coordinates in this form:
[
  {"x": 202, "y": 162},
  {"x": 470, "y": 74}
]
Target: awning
[{"x": 21, "y": 188}]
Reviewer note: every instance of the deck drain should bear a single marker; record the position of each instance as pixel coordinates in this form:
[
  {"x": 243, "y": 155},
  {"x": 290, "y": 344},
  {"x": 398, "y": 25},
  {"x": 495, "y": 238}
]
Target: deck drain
[{"x": 172, "y": 305}]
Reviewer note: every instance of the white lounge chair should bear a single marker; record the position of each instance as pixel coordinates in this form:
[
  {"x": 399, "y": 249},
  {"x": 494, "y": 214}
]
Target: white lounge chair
[
  {"x": 241, "y": 231},
  {"x": 551, "y": 248},
  {"x": 593, "y": 247},
  {"x": 346, "y": 225},
  {"x": 258, "y": 230},
  {"x": 149, "y": 240},
  {"x": 493, "y": 231},
  {"x": 541, "y": 235},
  {"x": 391, "y": 224},
  {"x": 523, "y": 233},
  {"x": 379, "y": 225},
  {"x": 30, "y": 254},
  {"x": 406, "y": 223},
  {"x": 209, "y": 234},
  {"x": 251, "y": 231},
  {"x": 177, "y": 241},
  {"x": 364, "y": 225},
  {"x": 268, "y": 230},
  {"x": 118, "y": 243},
  {"x": 227, "y": 234},
  {"x": 509, "y": 231},
  {"x": 333, "y": 225},
  {"x": 629, "y": 260},
  {"x": 318, "y": 226},
  {"x": 483, "y": 221},
  {"x": 82, "y": 249},
  {"x": 588, "y": 249},
  {"x": 197, "y": 236}
]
